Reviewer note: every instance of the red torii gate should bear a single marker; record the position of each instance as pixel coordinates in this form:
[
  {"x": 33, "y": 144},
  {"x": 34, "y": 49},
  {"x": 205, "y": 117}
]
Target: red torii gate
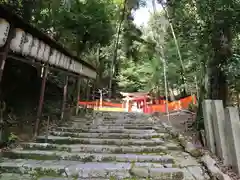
[{"x": 140, "y": 98}]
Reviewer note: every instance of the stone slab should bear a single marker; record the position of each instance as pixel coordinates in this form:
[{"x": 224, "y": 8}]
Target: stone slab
[
  {"x": 135, "y": 131},
  {"x": 220, "y": 130},
  {"x": 69, "y": 140},
  {"x": 233, "y": 134},
  {"x": 81, "y": 170},
  {"x": 105, "y": 135},
  {"x": 86, "y": 157},
  {"x": 96, "y": 148},
  {"x": 158, "y": 173},
  {"x": 198, "y": 173},
  {"x": 208, "y": 125},
  {"x": 13, "y": 176}
]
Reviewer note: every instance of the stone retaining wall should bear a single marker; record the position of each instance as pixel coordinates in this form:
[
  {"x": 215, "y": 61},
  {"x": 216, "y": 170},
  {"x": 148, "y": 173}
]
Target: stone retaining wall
[
  {"x": 222, "y": 127},
  {"x": 203, "y": 156}
]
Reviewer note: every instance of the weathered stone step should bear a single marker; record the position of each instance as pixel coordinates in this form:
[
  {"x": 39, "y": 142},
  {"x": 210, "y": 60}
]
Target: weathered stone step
[
  {"x": 70, "y": 140},
  {"x": 86, "y": 157},
  {"x": 90, "y": 170},
  {"x": 101, "y": 148},
  {"x": 129, "y": 123},
  {"x": 129, "y": 126},
  {"x": 134, "y": 127},
  {"x": 104, "y": 130},
  {"x": 15, "y": 176},
  {"x": 105, "y": 135}
]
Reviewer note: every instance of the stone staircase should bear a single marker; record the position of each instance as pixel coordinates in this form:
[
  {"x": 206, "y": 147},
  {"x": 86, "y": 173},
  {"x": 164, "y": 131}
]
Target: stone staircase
[{"x": 110, "y": 146}]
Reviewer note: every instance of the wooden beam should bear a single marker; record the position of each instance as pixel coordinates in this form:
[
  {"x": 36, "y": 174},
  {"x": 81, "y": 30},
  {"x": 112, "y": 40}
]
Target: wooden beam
[
  {"x": 33, "y": 62},
  {"x": 38, "y": 63},
  {"x": 41, "y": 100}
]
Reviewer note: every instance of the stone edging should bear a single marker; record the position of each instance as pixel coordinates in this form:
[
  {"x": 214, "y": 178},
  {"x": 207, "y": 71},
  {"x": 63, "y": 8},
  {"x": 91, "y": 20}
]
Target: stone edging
[{"x": 206, "y": 159}]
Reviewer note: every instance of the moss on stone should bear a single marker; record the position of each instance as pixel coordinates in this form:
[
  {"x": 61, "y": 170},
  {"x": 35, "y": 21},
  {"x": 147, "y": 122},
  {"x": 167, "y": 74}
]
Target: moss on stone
[
  {"x": 88, "y": 158},
  {"x": 118, "y": 150},
  {"x": 13, "y": 155},
  {"x": 196, "y": 153},
  {"x": 108, "y": 159}
]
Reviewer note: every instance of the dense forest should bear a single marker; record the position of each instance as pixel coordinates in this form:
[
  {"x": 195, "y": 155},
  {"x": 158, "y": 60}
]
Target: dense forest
[{"x": 196, "y": 41}]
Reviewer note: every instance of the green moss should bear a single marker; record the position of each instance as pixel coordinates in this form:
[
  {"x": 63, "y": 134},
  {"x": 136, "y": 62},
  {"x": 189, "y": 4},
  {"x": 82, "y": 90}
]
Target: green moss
[
  {"x": 131, "y": 178},
  {"x": 13, "y": 155},
  {"x": 37, "y": 173},
  {"x": 112, "y": 178},
  {"x": 107, "y": 159},
  {"x": 10, "y": 169},
  {"x": 65, "y": 141},
  {"x": 118, "y": 150},
  {"x": 75, "y": 177},
  {"x": 88, "y": 158},
  {"x": 196, "y": 153}
]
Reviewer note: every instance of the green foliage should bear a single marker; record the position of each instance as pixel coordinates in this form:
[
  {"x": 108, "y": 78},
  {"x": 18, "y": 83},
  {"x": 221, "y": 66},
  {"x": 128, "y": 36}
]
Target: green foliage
[{"x": 12, "y": 138}]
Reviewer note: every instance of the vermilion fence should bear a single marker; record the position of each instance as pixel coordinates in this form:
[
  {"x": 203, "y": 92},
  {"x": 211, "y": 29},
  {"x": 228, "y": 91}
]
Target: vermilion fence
[
  {"x": 97, "y": 103},
  {"x": 175, "y": 105}
]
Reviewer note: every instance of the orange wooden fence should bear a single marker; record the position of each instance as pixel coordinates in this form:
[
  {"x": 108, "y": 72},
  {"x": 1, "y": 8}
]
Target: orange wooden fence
[{"x": 175, "y": 105}]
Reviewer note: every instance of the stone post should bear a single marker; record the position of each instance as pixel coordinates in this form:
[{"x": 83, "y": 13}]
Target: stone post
[
  {"x": 233, "y": 134},
  {"x": 208, "y": 125},
  {"x": 220, "y": 130}
]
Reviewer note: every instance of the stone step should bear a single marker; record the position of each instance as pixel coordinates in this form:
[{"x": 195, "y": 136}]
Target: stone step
[
  {"x": 81, "y": 123},
  {"x": 136, "y": 127},
  {"x": 86, "y": 157},
  {"x": 73, "y": 169},
  {"x": 104, "y": 130},
  {"x": 124, "y": 142},
  {"x": 129, "y": 126},
  {"x": 106, "y": 135},
  {"x": 129, "y": 123},
  {"x": 102, "y": 148},
  {"x": 15, "y": 176}
]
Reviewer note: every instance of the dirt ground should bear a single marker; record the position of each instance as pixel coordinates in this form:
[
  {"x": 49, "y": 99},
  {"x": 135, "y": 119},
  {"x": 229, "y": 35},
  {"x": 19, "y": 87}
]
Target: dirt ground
[{"x": 178, "y": 120}]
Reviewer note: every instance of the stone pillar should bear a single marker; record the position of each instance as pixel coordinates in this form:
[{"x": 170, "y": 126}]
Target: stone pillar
[
  {"x": 233, "y": 134},
  {"x": 208, "y": 125},
  {"x": 220, "y": 130}
]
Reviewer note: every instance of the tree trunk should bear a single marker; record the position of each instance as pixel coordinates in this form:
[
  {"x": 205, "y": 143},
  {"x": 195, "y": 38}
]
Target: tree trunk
[
  {"x": 114, "y": 60},
  {"x": 221, "y": 44},
  {"x": 170, "y": 90}
]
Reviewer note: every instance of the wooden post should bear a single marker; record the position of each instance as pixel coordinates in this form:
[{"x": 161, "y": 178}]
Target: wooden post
[
  {"x": 47, "y": 129},
  {"x": 41, "y": 100},
  {"x": 3, "y": 56},
  {"x": 101, "y": 97},
  {"x": 87, "y": 89},
  {"x": 64, "y": 97},
  {"x": 93, "y": 90},
  {"x": 78, "y": 94}
]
